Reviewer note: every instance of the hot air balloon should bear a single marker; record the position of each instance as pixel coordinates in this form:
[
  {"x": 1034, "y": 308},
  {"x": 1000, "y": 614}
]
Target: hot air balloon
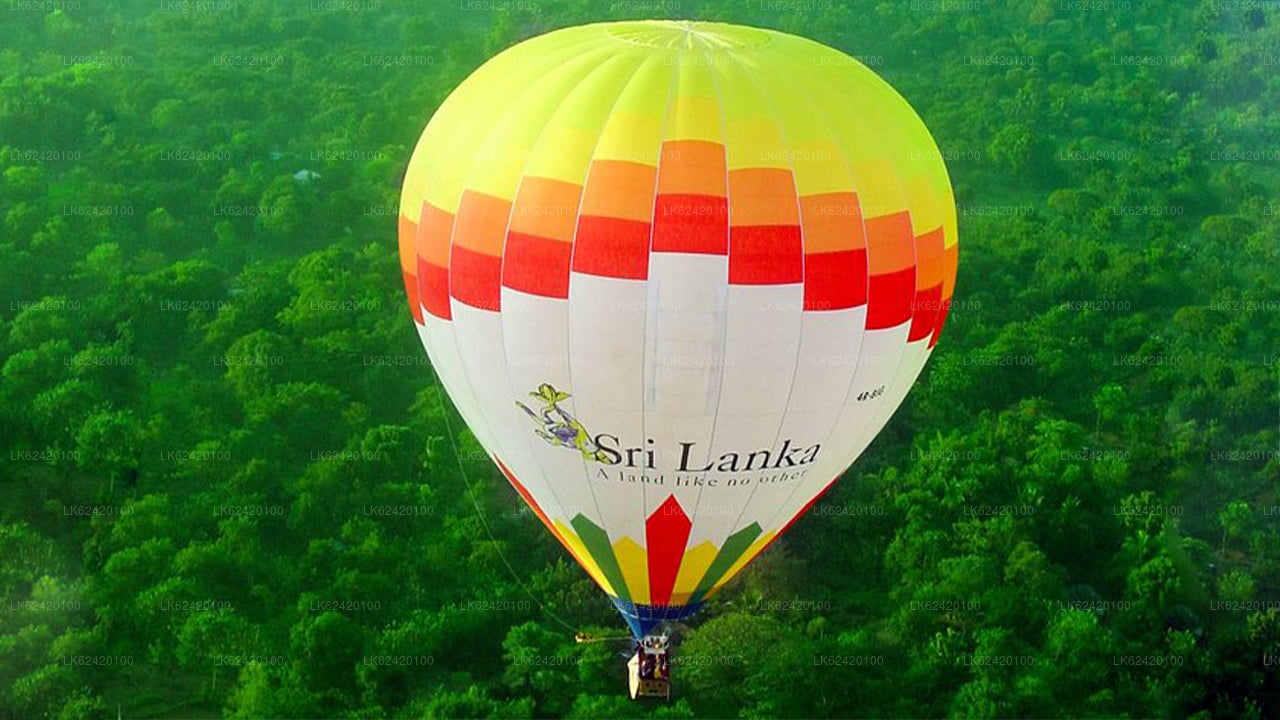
[{"x": 675, "y": 276}]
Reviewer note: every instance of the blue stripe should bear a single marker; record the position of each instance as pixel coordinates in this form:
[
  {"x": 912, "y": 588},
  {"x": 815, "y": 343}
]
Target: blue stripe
[{"x": 644, "y": 618}]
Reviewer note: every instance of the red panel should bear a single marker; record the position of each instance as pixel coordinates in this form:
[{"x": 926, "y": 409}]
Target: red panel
[
  {"x": 474, "y": 278},
  {"x": 433, "y": 284},
  {"x": 691, "y": 224},
  {"x": 666, "y": 534},
  {"x": 612, "y": 247},
  {"x": 765, "y": 255},
  {"x": 926, "y": 306},
  {"x": 411, "y": 288},
  {"x": 536, "y": 265},
  {"x": 889, "y": 299},
  {"x": 835, "y": 280},
  {"x": 942, "y": 319}
]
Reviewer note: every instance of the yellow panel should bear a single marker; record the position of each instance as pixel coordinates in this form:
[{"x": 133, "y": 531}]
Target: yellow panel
[
  {"x": 865, "y": 122},
  {"x": 693, "y": 566},
  {"x": 883, "y": 114},
  {"x": 562, "y": 153},
  {"x": 566, "y": 145},
  {"x": 635, "y": 568},
  {"x": 584, "y": 557},
  {"x": 949, "y": 213},
  {"x": 439, "y": 152},
  {"x": 879, "y": 191},
  {"x": 752, "y": 136},
  {"x": 740, "y": 97},
  {"x": 631, "y": 136},
  {"x": 766, "y": 86},
  {"x": 747, "y": 556},
  {"x": 695, "y": 110},
  {"x": 925, "y": 212},
  {"x": 820, "y": 167},
  {"x": 562, "y": 117},
  {"x": 755, "y": 143},
  {"x": 650, "y": 87},
  {"x": 817, "y": 159},
  {"x": 633, "y": 131}
]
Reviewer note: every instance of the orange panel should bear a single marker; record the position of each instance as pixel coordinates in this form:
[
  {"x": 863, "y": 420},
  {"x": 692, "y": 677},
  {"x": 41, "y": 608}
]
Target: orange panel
[
  {"x": 951, "y": 257},
  {"x": 408, "y": 236},
  {"x": 832, "y": 222},
  {"x": 546, "y": 208},
  {"x": 692, "y": 167},
  {"x": 762, "y": 196},
  {"x": 411, "y": 289},
  {"x": 481, "y": 223},
  {"x": 619, "y": 189},
  {"x": 890, "y": 244},
  {"x": 435, "y": 227},
  {"x": 929, "y": 259}
]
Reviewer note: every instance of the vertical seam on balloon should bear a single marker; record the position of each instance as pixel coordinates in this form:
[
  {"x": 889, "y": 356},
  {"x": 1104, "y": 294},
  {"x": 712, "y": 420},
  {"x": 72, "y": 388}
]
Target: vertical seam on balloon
[
  {"x": 577, "y": 43},
  {"x": 728, "y": 205},
  {"x": 441, "y": 392},
  {"x": 644, "y": 384},
  {"x": 853, "y": 378},
  {"x": 867, "y": 434},
  {"x": 418, "y": 239},
  {"x": 450, "y": 325},
  {"x": 568, "y": 359},
  {"x": 502, "y": 325},
  {"x": 838, "y": 135},
  {"x": 569, "y": 291},
  {"x": 904, "y": 388},
  {"x": 955, "y": 222},
  {"x": 800, "y": 310},
  {"x": 527, "y": 443}
]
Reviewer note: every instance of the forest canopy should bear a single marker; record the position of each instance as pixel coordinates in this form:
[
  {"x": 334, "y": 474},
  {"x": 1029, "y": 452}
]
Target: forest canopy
[{"x": 232, "y": 487}]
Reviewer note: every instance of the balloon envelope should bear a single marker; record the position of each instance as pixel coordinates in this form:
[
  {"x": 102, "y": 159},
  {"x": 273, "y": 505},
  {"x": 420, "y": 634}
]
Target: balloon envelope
[{"x": 675, "y": 276}]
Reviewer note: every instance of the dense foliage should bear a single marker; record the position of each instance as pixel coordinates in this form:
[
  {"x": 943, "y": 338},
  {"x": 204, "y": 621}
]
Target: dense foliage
[{"x": 230, "y": 486}]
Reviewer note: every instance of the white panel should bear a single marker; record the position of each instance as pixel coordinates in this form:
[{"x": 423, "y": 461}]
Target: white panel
[
  {"x": 912, "y": 363},
  {"x": 878, "y": 362},
  {"x": 606, "y": 360},
  {"x": 762, "y": 343},
  {"x": 830, "y": 343},
  {"x": 535, "y": 332},
  {"x": 684, "y": 332},
  {"x": 438, "y": 338},
  {"x": 485, "y": 365}
]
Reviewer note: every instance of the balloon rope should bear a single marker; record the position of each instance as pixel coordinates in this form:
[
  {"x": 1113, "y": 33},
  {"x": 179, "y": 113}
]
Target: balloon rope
[
  {"x": 484, "y": 523},
  {"x": 585, "y": 641}
]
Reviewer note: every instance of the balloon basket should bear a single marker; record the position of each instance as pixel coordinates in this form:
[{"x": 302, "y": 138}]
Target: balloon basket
[{"x": 649, "y": 669}]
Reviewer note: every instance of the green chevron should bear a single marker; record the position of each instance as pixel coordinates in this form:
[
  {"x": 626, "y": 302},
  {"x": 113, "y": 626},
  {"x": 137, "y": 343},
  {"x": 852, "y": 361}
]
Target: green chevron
[
  {"x": 733, "y": 547},
  {"x": 597, "y": 543}
]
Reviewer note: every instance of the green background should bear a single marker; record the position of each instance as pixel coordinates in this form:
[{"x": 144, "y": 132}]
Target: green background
[{"x": 228, "y": 488}]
